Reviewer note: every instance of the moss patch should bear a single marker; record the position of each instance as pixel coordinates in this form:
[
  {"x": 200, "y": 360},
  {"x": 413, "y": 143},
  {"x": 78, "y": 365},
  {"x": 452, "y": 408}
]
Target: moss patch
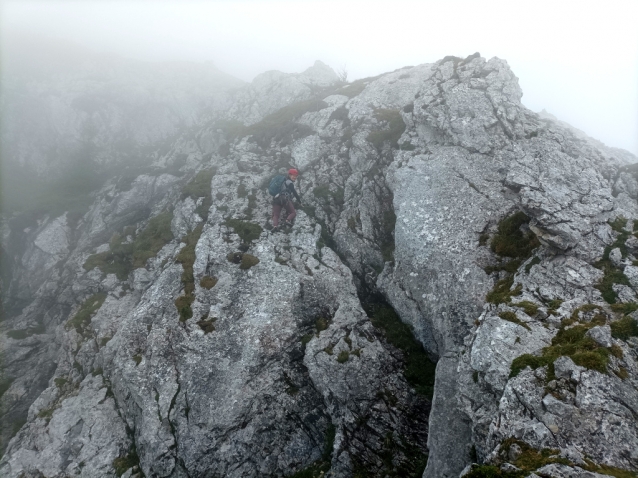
[
  {"x": 419, "y": 369},
  {"x": 207, "y": 325},
  {"x": 82, "y": 319},
  {"x": 208, "y": 282},
  {"x": 248, "y": 261}
]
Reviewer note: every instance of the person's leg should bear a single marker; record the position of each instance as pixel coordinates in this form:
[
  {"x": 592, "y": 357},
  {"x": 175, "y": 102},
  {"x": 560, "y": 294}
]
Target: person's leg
[
  {"x": 276, "y": 212},
  {"x": 290, "y": 209}
]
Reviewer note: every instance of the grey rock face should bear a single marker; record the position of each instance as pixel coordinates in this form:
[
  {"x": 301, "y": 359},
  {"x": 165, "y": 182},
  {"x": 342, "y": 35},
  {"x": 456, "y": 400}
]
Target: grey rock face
[{"x": 276, "y": 366}]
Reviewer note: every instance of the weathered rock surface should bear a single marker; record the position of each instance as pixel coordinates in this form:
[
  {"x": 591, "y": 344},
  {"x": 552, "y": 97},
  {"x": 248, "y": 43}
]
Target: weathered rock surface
[{"x": 276, "y": 367}]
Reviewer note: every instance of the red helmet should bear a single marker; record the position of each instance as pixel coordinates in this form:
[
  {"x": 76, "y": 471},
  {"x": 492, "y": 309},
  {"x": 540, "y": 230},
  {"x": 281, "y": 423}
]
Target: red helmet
[{"x": 293, "y": 172}]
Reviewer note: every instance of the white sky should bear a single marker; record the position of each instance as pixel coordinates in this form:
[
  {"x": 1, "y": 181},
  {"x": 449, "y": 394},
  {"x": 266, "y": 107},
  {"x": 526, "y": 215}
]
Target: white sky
[{"x": 577, "y": 59}]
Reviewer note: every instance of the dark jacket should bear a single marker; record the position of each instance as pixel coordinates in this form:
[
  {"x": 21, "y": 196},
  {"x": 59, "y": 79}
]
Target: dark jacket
[{"x": 288, "y": 189}]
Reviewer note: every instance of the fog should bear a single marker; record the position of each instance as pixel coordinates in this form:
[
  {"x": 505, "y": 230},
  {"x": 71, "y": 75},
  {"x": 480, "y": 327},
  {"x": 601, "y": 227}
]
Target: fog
[{"x": 576, "y": 59}]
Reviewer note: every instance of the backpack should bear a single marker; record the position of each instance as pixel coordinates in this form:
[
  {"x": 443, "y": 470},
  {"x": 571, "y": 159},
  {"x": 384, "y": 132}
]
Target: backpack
[{"x": 275, "y": 184}]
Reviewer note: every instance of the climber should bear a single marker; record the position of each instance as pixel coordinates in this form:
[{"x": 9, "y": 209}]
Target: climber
[{"x": 283, "y": 198}]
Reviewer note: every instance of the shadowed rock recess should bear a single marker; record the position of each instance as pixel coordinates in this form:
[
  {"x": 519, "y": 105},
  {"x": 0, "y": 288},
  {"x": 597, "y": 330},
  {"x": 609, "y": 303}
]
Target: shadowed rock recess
[{"x": 162, "y": 330}]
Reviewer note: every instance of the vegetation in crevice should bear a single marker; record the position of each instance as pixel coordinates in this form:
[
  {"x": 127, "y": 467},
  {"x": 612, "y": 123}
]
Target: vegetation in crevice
[
  {"x": 530, "y": 308},
  {"x": 322, "y": 466},
  {"x": 531, "y": 459},
  {"x": 123, "y": 257},
  {"x": 186, "y": 257},
  {"x": 247, "y": 231},
  {"x": 395, "y": 128},
  {"x": 124, "y": 463},
  {"x": 502, "y": 293},
  {"x": 512, "y": 243},
  {"x": 511, "y": 317},
  {"x": 570, "y": 341},
  {"x": 82, "y": 318},
  {"x": 612, "y": 274},
  {"x": 419, "y": 369}
]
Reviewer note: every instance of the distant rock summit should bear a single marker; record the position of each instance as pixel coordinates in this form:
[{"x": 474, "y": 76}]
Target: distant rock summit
[{"x": 457, "y": 297}]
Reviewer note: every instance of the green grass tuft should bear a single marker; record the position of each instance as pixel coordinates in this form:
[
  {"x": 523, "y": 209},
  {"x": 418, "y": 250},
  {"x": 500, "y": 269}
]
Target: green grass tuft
[
  {"x": 530, "y": 308},
  {"x": 343, "y": 356},
  {"x": 624, "y": 328},
  {"x": 570, "y": 342},
  {"x": 122, "y": 464},
  {"x": 510, "y": 240},
  {"x": 208, "y": 282},
  {"x": 511, "y": 317},
  {"x": 247, "y": 231},
  {"x": 207, "y": 325},
  {"x": 82, "y": 318},
  {"x": 248, "y": 261},
  {"x": 501, "y": 293}
]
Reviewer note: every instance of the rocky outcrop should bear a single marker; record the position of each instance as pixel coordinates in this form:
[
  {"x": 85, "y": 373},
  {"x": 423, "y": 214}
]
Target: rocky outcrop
[{"x": 215, "y": 347}]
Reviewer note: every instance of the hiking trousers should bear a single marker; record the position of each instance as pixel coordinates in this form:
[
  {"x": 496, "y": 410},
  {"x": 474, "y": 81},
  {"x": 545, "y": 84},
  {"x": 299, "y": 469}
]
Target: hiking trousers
[{"x": 276, "y": 211}]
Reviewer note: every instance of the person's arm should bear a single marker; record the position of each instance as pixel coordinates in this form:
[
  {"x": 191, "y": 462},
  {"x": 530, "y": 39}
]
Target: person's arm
[{"x": 294, "y": 191}]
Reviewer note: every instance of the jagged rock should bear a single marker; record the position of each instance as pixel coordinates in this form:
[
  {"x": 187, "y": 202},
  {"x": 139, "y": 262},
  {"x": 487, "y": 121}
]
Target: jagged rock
[
  {"x": 632, "y": 274},
  {"x": 405, "y": 180},
  {"x": 80, "y": 435},
  {"x": 601, "y": 335},
  {"x": 615, "y": 256},
  {"x": 625, "y": 293},
  {"x": 564, "y": 367}
]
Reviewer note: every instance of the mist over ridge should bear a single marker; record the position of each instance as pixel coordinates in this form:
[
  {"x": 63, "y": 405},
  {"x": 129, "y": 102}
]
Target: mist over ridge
[{"x": 453, "y": 293}]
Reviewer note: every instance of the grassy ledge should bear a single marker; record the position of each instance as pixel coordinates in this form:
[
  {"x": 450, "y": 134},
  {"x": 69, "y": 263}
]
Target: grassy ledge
[
  {"x": 82, "y": 318},
  {"x": 572, "y": 342},
  {"x": 122, "y": 257},
  {"x": 612, "y": 274}
]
